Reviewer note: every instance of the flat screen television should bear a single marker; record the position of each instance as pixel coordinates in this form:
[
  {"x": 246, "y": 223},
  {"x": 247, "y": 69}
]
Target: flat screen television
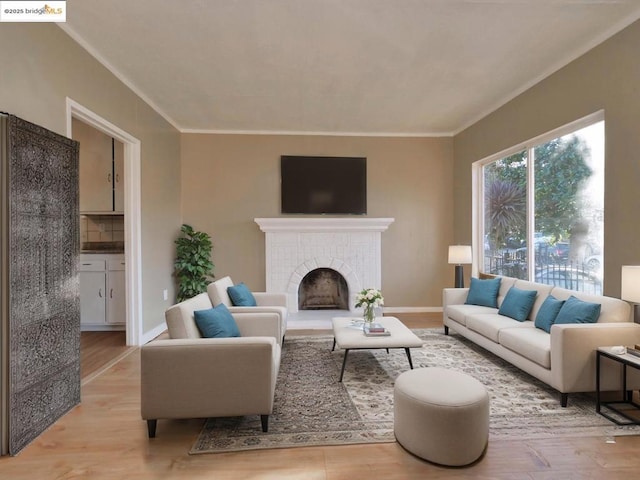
[{"x": 323, "y": 185}]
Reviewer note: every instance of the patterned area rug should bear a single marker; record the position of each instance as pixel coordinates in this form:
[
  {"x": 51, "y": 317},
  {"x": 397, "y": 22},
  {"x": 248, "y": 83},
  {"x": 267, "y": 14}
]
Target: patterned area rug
[{"x": 312, "y": 408}]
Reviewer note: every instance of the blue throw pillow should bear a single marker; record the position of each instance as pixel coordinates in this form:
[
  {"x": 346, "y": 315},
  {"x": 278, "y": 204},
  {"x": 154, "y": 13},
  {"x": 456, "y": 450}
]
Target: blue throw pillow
[
  {"x": 216, "y": 322},
  {"x": 518, "y": 303},
  {"x": 484, "y": 292},
  {"x": 241, "y": 296},
  {"x": 578, "y": 311},
  {"x": 548, "y": 312}
]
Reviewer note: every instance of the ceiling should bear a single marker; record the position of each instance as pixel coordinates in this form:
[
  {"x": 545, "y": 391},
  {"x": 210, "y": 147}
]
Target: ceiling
[{"x": 372, "y": 67}]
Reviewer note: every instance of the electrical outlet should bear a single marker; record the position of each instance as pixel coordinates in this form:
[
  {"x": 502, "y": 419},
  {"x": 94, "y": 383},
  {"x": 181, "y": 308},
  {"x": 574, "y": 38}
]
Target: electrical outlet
[{"x": 165, "y": 294}]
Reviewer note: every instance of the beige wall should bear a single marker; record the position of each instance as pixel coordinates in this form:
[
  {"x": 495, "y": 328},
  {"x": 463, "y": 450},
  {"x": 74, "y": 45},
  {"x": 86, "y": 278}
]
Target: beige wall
[
  {"x": 228, "y": 180},
  {"x": 39, "y": 67},
  {"x": 607, "y": 77}
]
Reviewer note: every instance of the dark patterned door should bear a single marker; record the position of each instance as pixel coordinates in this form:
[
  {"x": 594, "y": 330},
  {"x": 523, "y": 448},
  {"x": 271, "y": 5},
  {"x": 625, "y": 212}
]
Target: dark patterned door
[{"x": 43, "y": 253}]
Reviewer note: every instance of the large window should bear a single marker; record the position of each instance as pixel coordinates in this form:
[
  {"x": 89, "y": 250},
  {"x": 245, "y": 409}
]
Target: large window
[{"x": 542, "y": 204}]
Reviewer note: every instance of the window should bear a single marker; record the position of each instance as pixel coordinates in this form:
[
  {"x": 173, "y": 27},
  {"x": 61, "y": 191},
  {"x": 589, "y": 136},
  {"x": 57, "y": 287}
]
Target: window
[{"x": 542, "y": 204}]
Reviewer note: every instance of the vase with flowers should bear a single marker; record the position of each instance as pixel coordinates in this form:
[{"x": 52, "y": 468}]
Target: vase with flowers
[{"x": 369, "y": 299}]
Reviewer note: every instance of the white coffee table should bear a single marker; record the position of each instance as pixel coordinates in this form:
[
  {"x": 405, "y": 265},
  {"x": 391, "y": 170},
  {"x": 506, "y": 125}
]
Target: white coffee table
[{"x": 348, "y": 337}]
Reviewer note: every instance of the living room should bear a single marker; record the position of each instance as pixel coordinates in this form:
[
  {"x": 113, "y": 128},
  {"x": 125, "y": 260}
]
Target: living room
[{"x": 220, "y": 182}]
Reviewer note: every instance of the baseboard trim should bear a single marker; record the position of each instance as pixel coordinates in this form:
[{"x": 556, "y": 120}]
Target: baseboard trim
[
  {"x": 412, "y": 309},
  {"x": 102, "y": 328},
  {"x": 151, "y": 334}
]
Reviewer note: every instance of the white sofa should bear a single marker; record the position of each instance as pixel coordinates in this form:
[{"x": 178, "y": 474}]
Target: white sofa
[
  {"x": 188, "y": 376},
  {"x": 565, "y": 358}
]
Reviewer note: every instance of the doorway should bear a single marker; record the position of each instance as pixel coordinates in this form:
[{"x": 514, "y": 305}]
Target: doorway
[{"x": 132, "y": 214}]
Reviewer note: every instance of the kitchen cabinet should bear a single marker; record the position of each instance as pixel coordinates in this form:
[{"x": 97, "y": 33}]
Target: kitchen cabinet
[
  {"x": 116, "y": 292},
  {"x": 102, "y": 292},
  {"x": 118, "y": 177},
  {"x": 101, "y": 170},
  {"x": 93, "y": 307}
]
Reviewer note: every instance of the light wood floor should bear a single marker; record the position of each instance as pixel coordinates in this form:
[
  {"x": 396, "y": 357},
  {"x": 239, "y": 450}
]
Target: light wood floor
[
  {"x": 99, "y": 349},
  {"x": 105, "y": 438}
]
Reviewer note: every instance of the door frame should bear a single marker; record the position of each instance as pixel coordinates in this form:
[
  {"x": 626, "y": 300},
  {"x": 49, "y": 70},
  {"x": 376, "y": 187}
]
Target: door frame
[{"x": 132, "y": 213}]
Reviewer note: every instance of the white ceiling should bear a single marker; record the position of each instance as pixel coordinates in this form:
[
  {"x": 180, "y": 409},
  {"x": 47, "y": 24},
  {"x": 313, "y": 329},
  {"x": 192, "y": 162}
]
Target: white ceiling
[{"x": 395, "y": 67}]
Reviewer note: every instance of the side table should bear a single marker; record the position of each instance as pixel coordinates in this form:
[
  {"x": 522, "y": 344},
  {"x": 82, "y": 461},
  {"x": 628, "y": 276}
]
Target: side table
[{"x": 627, "y": 360}]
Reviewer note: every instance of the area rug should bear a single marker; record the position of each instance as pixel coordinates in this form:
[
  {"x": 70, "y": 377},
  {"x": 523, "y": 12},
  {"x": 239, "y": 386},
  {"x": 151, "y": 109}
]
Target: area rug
[{"x": 312, "y": 408}]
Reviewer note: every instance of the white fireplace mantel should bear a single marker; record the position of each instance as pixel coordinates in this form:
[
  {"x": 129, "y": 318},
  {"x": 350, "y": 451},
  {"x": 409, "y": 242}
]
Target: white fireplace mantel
[
  {"x": 323, "y": 224},
  {"x": 296, "y": 246}
]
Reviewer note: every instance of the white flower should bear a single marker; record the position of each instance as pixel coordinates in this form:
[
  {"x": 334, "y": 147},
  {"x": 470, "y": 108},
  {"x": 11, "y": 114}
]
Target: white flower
[{"x": 369, "y": 297}]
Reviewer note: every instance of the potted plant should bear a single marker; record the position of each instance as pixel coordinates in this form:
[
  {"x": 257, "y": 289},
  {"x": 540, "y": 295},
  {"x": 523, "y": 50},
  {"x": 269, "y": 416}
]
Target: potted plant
[{"x": 193, "y": 265}]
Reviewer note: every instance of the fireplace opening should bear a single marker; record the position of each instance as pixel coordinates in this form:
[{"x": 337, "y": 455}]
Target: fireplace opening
[{"x": 323, "y": 288}]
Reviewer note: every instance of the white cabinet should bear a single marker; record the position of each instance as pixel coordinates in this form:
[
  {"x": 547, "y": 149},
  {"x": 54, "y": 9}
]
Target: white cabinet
[
  {"x": 118, "y": 176},
  {"x": 116, "y": 293},
  {"x": 101, "y": 170},
  {"x": 92, "y": 292},
  {"x": 102, "y": 291}
]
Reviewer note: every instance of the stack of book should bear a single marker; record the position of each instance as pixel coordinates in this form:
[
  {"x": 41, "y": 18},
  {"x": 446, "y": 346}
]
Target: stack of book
[
  {"x": 634, "y": 351},
  {"x": 375, "y": 330}
]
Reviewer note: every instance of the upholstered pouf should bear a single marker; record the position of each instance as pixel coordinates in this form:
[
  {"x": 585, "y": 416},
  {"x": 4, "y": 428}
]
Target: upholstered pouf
[{"x": 441, "y": 415}]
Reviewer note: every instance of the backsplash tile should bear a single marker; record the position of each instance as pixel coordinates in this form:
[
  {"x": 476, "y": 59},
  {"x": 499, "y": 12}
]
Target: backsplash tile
[{"x": 99, "y": 229}]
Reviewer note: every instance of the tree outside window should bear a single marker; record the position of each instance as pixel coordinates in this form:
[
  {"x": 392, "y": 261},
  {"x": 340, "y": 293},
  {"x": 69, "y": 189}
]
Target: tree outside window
[{"x": 543, "y": 211}]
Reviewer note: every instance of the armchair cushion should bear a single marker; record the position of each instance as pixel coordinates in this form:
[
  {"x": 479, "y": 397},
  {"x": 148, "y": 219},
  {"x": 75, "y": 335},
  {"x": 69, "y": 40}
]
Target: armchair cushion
[
  {"x": 216, "y": 322},
  {"x": 180, "y": 320},
  {"x": 218, "y": 291},
  {"x": 241, "y": 296}
]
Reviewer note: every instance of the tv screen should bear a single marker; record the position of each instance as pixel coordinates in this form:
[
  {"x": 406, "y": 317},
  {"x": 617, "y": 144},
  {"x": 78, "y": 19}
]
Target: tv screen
[{"x": 323, "y": 185}]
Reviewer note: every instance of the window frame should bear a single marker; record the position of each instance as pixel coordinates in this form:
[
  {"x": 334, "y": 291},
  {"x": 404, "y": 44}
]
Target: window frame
[{"x": 477, "y": 203}]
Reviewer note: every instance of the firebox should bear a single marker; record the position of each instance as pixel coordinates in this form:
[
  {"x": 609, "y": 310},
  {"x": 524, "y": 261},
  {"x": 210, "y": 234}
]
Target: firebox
[{"x": 323, "y": 288}]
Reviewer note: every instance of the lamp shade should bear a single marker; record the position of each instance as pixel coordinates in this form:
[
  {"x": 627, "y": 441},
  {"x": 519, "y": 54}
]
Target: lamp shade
[
  {"x": 630, "y": 283},
  {"x": 459, "y": 254}
]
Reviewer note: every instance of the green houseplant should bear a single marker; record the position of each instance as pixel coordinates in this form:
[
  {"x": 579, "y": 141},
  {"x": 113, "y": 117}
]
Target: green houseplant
[{"x": 193, "y": 265}]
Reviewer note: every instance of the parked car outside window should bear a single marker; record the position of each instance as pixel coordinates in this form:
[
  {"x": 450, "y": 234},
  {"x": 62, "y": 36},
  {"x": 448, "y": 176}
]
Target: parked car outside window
[{"x": 560, "y": 251}]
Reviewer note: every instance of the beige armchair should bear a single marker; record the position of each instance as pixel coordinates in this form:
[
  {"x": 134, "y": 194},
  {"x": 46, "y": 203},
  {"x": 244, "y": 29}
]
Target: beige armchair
[
  {"x": 189, "y": 376},
  {"x": 266, "y": 301}
]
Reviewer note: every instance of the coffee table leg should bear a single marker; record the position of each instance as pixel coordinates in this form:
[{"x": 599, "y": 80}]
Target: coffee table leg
[
  {"x": 344, "y": 362},
  {"x": 409, "y": 357}
]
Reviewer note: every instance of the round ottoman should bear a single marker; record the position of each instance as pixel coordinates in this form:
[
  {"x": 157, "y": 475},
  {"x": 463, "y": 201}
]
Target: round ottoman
[{"x": 441, "y": 415}]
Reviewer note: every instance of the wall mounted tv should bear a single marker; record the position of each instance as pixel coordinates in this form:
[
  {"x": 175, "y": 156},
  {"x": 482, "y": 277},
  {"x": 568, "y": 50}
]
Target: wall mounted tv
[{"x": 323, "y": 185}]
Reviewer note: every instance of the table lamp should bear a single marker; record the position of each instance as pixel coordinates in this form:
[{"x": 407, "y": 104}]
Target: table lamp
[
  {"x": 631, "y": 286},
  {"x": 458, "y": 255}
]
